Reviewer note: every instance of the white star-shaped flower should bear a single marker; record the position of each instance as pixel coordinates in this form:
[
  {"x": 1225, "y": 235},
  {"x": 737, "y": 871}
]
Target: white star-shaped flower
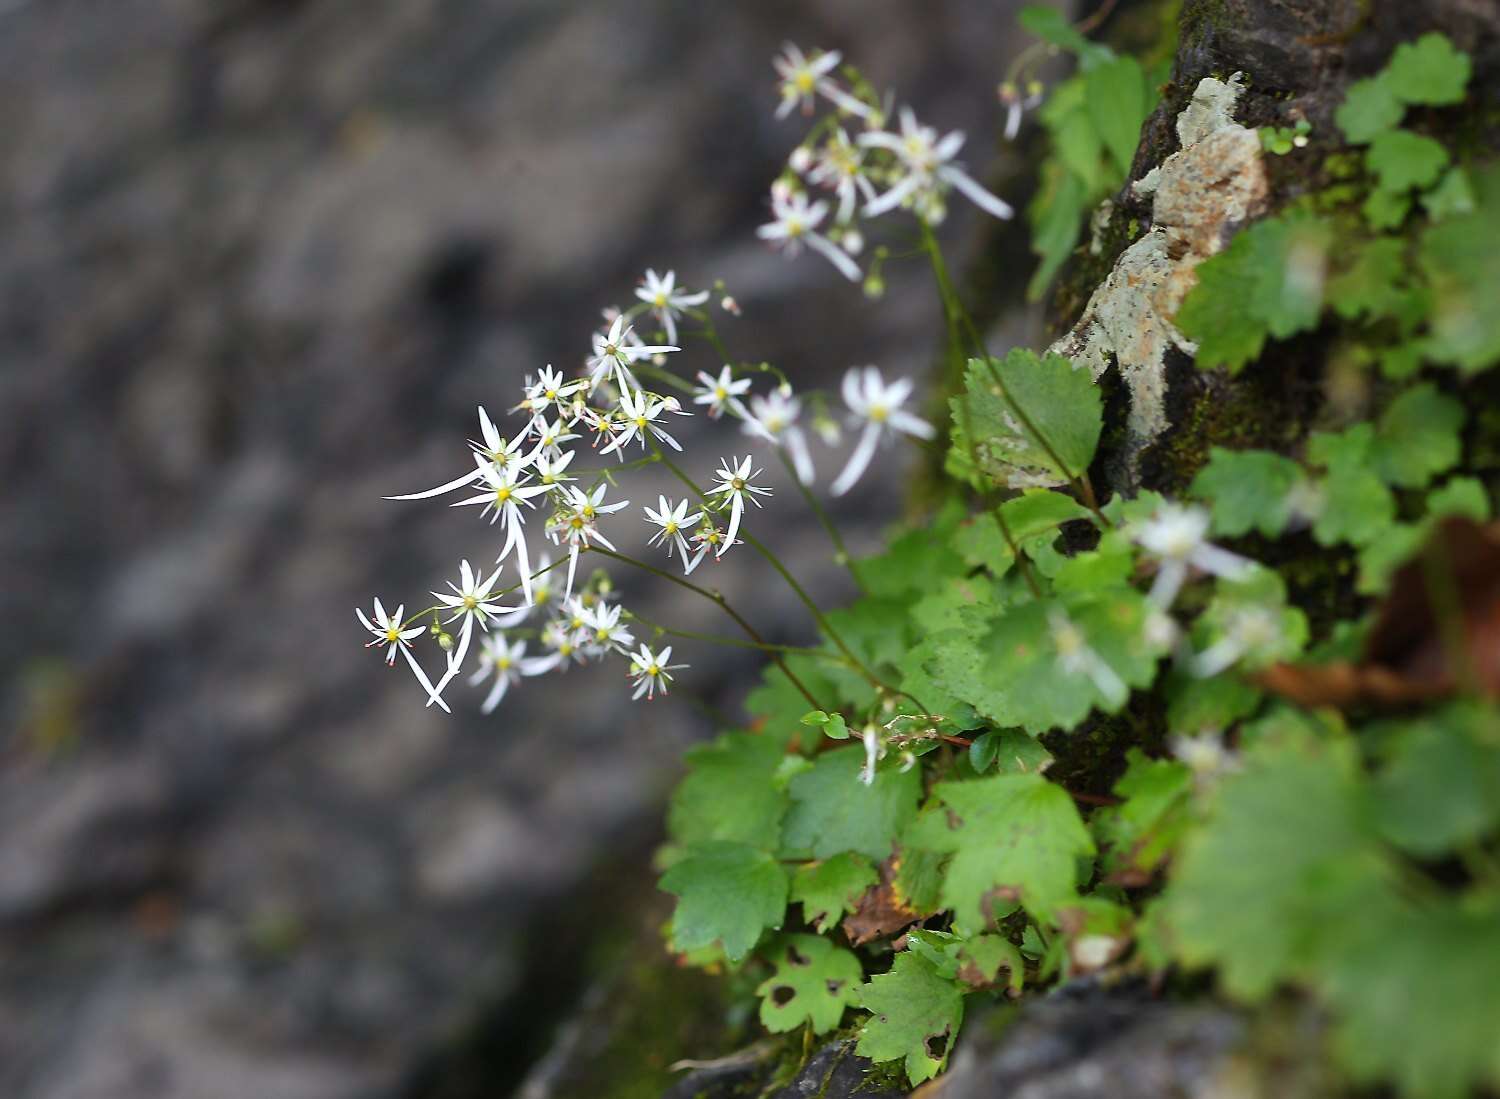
[
  {"x": 504, "y": 660},
  {"x": 674, "y": 521},
  {"x": 734, "y": 488},
  {"x": 637, "y": 420},
  {"x": 796, "y": 223},
  {"x": 388, "y": 629},
  {"x": 667, "y": 300},
  {"x": 1175, "y": 535},
  {"x": 877, "y": 407},
  {"x": 651, "y": 671},
  {"x": 615, "y": 351},
  {"x": 929, "y": 164}
]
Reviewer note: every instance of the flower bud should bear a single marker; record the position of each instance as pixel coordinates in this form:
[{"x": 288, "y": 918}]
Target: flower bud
[
  {"x": 801, "y": 159},
  {"x": 730, "y": 306},
  {"x": 853, "y": 242}
]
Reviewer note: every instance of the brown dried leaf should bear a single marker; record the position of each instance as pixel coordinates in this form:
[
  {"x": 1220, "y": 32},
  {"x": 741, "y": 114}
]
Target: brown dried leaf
[{"x": 1438, "y": 630}]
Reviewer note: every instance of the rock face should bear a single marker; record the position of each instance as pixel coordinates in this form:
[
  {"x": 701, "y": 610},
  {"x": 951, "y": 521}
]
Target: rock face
[{"x": 261, "y": 260}]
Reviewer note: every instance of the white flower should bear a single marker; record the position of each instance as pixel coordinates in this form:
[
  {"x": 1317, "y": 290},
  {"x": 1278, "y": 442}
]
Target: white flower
[
  {"x": 721, "y": 392},
  {"x": 387, "y": 629},
  {"x": 552, "y": 472},
  {"x": 929, "y": 166},
  {"x": 615, "y": 351},
  {"x": 602, "y": 630},
  {"x": 796, "y": 224},
  {"x": 637, "y": 420},
  {"x": 776, "y": 416},
  {"x": 549, "y": 438},
  {"x": 667, "y": 300},
  {"x": 507, "y": 492},
  {"x": 550, "y": 388},
  {"x": 874, "y": 750},
  {"x": 1077, "y": 657},
  {"x": 840, "y": 168},
  {"x": 559, "y": 639},
  {"x": 878, "y": 407},
  {"x": 470, "y": 601},
  {"x": 494, "y": 448},
  {"x": 802, "y": 77},
  {"x": 1175, "y": 535},
  {"x": 1015, "y": 105},
  {"x": 1249, "y": 632},
  {"x": 672, "y": 519},
  {"x": 711, "y": 539},
  {"x": 735, "y": 487},
  {"x": 505, "y": 660},
  {"x": 651, "y": 671},
  {"x": 576, "y": 523}
]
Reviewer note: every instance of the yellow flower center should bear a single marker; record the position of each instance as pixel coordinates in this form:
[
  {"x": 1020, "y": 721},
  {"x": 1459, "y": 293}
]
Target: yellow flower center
[
  {"x": 794, "y": 227},
  {"x": 470, "y": 602},
  {"x": 501, "y": 495},
  {"x": 738, "y": 484},
  {"x": 660, "y": 301},
  {"x": 392, "y": 633},
  {"x": 803, "y": 81},
  {"x": 879, "y": 413}
]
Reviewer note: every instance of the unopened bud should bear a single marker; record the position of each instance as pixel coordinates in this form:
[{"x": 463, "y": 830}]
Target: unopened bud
[
  {"x": 730, "y": 306},
  {"x": 853, "y": 242},
  {"x": 801, "y": 159},
  {"x": 874, "y": 286},
  {"x": 445, "y": 641}
]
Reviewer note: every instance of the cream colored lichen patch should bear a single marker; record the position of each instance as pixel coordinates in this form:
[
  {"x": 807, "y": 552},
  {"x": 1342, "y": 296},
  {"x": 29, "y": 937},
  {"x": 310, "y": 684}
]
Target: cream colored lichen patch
[{"x": 1201, "y": 193}]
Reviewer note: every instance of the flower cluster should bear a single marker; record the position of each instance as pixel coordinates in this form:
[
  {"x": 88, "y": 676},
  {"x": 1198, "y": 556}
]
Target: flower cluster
[
  {"x": 615, "y": 406},
  {"x": 877, "y": 170}
]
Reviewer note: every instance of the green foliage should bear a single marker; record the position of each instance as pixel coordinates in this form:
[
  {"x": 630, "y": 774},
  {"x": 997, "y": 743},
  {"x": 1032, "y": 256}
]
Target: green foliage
[
  {"x": 1249, "y": 490},
  {"x": 1026, "y": 416},
  {"x": 727, "y": 893},
  {"x": 1353, "y": 861},
  {"x": 832, "y": 811},
  {"x": 1265, "y": 284},
  {"x": 1428, "y": 71},
  {"x": 828, "y": 889},
  {"x": 915, "y": 1013},
  {"x": 730, "y": 793},
  {"x": 1016, "y": 840},
  {"x": 1093, "y": 123},
  {"x": 813, "y": 983}
]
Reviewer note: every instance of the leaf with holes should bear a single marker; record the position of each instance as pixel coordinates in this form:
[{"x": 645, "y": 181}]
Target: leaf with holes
[
  {"x": 828, "y": 889},
  {"x": 914, "y": 1015},
  {"x": 814, "y": 982}
]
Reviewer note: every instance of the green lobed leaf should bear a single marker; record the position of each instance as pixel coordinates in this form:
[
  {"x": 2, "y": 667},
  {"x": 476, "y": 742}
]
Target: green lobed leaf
[
  {"x": 1033, "y": 418},
  {"x": 1266, "y": 283},
  {"x": 1017, "y": 676},
  {"x": 730, "y": 793},
  {"x": 991, "y": 955},
  {"x": 1358, "y": 508},
  {"x": 833, "y": 812},
  {"x": 1017, "y": 837},
  {"x": 1010, "y": 752},
  {"x": 1140, "y": 832},
  {"x": 1462, "y": 265},
  {"x": 1373, "y": 283},
  {"x": 914, "y": 1014},
  {"x": 1401, "y": 160},
  {"x": 1417, "y": 437},
  {"x": 1370, "y": 108},
  {"x": 727, "y": 893},
  {"x": 830, "y": 888},
  {"x": 1118, "y": 105},
  {"x": 1275, "y": 872},
  {"x": 1414, "y": 998},
  {"x": 1248, "y": 490},
  {"x": 1440, "y": 786},
  {"x": 813, "y": 982},
  {"x": 1428, "y": 72}
]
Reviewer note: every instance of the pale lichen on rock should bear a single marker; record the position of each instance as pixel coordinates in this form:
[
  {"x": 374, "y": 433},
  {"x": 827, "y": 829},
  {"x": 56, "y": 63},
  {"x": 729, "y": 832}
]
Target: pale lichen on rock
[{"x": 1201, "y": 193}]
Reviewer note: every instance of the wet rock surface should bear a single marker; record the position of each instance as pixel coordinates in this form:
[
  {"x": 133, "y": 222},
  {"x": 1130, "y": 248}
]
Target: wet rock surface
[{"x": 262, "y": 258}]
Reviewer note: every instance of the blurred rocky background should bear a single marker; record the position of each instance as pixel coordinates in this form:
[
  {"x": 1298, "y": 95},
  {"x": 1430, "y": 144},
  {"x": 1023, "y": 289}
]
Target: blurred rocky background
[{"x": 259, "y": 262}]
